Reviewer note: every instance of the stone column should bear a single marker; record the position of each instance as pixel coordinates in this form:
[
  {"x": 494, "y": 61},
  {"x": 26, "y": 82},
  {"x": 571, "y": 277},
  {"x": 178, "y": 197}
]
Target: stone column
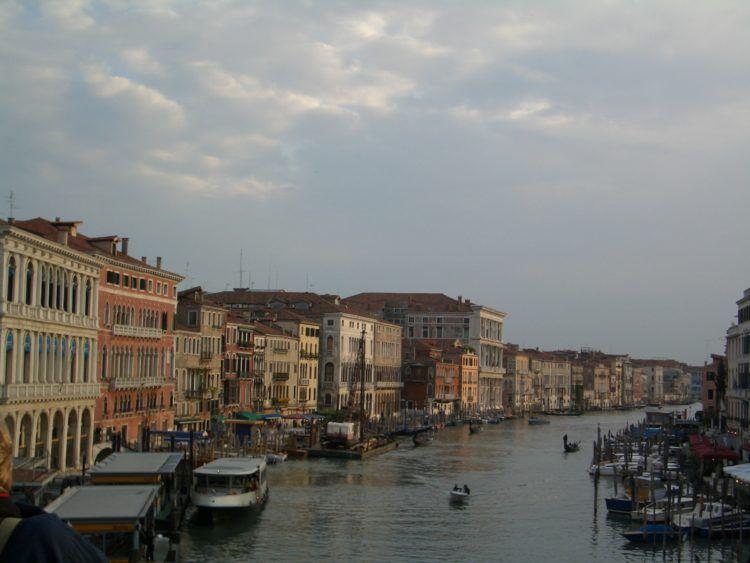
[
  {"x": 63, "y": 445},
  {"x": 16, "y": 432},
  {"x": 17, "y": 356},
  {"x": 77, "y": 443},
  {"x": 48, "y": 441}
]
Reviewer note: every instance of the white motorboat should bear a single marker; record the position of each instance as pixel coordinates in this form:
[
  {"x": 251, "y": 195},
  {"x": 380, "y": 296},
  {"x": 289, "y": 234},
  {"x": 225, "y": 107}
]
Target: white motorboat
[
  {"x": 230, "y": 482},
  {"x": 607, "y": 469},
  {"x": 711, "y": 514},
  {"x": 659, "y": 511},
  {"x": 273, "y": 458}
]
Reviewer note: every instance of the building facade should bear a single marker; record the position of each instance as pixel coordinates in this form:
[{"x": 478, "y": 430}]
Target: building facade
[
  {"x": 738, "y": 368},
  {"x": 48, "y": 325},
  {"x": 387, "y": 367}
]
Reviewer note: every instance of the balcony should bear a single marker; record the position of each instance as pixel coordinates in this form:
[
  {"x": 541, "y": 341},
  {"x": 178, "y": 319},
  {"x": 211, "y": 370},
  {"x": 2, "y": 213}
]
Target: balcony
[
  {"x": 48, "y": 315},
  {"x": 137, "y": 331},
  {"x": 388, "y": 385},
  {"x": 138, "y": 382},
  {"x": 280, "y": 376},
  {"x": 281, "y": 351},
  {"x": 303, "y": 382},
  {"x": 245, "y": 345},
  {"x": 308, "y": 355},
  {"x": 22, "y": 392},
  {"x": 206, "y": 356},
  {"x": 196, "y": 393}
]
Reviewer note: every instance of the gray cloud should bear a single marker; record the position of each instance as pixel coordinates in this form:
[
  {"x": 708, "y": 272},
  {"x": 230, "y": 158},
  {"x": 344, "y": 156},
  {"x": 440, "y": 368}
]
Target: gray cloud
[{"x": 580, "y": 165}]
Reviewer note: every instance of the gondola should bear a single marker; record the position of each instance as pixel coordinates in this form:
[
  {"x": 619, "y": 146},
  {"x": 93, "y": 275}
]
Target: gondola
[
  {"x": 570, "y": 447},
  {"x": 422, "y": 438}
]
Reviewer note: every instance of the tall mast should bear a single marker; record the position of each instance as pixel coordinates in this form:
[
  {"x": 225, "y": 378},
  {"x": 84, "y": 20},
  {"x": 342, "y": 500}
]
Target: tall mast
[{"x": 362, "y": 415}]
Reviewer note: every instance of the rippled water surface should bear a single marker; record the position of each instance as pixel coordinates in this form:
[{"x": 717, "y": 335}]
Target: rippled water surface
[{"x": 530, "y": 502}]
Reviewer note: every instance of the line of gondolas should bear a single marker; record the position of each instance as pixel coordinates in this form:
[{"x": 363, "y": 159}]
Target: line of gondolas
[{"x": 675, "y": 480}]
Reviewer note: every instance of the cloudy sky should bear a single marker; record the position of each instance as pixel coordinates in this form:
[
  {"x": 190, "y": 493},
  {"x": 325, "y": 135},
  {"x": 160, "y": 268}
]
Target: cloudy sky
[{"x": 580, "y": 165}]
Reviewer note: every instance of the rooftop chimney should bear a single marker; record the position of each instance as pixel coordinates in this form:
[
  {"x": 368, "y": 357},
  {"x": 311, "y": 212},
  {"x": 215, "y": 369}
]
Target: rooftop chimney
[
  {"x": 57, "y": 219},
  {"x": 144, "y": 259},
  {"x": 158, "y": 262},
  {"x": 124, "y": 246},
  {"x": 459, "y": 298}
]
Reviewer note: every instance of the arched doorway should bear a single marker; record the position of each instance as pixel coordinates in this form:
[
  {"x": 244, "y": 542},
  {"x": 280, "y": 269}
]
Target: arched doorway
[
  {"x": 40, "y": 442},
  {"x": 24, "y": 438},
  {"x": 85, "y": 437},
  {"x": 70, "y": 439},
  {"x": 55, "y": 447}
]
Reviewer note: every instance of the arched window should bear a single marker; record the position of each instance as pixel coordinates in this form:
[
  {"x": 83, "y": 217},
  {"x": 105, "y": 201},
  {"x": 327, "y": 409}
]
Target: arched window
[
  {"x": 65, "y": 299},
  {"x": 329, "y": 345},
  {"x": 328, "y": 376},
  {"x": 43, "y": 288},
  {"x": 86, "y": 350},
  {"x": 29, "y": 284},
  {"x": 9, "y": 358},
  {"x": 106, "y": 314},
  {"x": 51, "y": 283},
  {"x": 27, "y": 359},
  {"x": 74, "y": 297},
  {"x": 40, "y": 359},
  {"x": 104, "y": 363},
  {"x": 11, "y": 278},
  {"x": 104, "y": 407},
  {"x": 60, "y": 287},
  {"x": 73, "y": 361},
  {"x": 87, "y": 299}
]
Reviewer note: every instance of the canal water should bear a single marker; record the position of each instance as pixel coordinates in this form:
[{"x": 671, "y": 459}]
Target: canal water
[{"x": 529, "y": 502}]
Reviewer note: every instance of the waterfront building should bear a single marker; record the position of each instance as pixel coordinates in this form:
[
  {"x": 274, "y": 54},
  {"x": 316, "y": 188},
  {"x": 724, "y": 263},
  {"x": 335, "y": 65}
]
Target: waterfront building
[
  {"x": 517, "y": 370},
  {"x": 431, "y": 380},
  {"x": 237, "y": 365},
  {"x": 190, "y": 381},
  {"x": 654, "y": 375},
  {"x": 48, "y": 325},
  {"x": 708, "y": 384},
  {"x": 468, "y": 363},
  {"x": 137, "y": 304},
  {"x": 195, "y": 312},
  {"x": 738, "y": 368},
  {"x": 435, "y": 316},
  {"x": 386, "y": 361},
  {"x": 341, "y": 326},
  {"x": 307, "y": 331},
  {"x": 639, "y": 385},
  {"x": 281, "y": 367}
]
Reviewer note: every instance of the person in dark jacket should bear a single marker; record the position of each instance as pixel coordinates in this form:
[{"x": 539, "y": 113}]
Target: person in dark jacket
[{"x": 36, "y": 536}]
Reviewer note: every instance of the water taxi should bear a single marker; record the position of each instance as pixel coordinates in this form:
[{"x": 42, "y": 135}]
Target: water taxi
[{"x": 230, "y": 482}]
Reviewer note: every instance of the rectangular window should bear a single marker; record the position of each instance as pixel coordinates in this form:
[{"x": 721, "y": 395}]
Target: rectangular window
[
  {"x": 150, "y": 286},
  {"x": 113, "y": 277},
  {"x": 174, "y": 291},
  {"x": 142, "y": 284},
  {"x": 134, "y": 283},
  {"x": 192, "y": 318},
  {"x": 329, "y": 322},
  {"x": 125, "y": 280}
]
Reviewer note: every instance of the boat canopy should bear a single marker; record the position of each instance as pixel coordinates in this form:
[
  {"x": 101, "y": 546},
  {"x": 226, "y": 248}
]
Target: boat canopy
[
  {"x": 122, "y": 503},
  {"x": 138, "y": 463},
  {"x": 232, "y": 466},
  {"x": 739, "y": 472}
]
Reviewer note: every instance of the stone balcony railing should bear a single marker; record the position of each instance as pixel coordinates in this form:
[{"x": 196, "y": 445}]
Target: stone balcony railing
[
  {"x": 388, "y": 384},
  {"x": 48, "y": 315},
  {"x": 138, "y": 382},
  {"x": 137, "y": 331},
  {"x": 303, "y": 382},
  {"x": 21, "y": 392}
]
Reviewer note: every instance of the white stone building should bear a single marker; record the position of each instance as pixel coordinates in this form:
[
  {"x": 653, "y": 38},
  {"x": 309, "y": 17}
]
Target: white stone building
[{"x": 48, "y": 323}]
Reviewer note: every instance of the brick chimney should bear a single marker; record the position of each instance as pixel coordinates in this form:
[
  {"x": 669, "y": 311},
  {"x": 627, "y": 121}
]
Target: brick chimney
[
  {"x": 124, "y": 245},
  {"x": 459, "y": 299},
  {"x": 158, "y": 262},
  {"x": 144, "y": 259}
]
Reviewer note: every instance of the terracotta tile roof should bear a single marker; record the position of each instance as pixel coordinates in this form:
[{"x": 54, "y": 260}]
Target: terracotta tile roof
[
  {"x": 49, "y": 229},
  {"x": 316, "y": 305},
  {"x": 436, "y": 302}
]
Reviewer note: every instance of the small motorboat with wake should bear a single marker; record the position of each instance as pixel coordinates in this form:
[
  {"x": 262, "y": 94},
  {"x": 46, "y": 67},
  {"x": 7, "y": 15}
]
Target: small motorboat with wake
[
  {"x": 475, "y": 427},
  {"x": 423, "y": 438},
  {"x": 459, "y": 494}
]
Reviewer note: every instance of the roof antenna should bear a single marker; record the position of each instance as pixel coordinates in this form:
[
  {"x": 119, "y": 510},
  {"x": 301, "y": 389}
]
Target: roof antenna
[
  {"x": 11, "y": 206},
  {"x": 241, "y": 272}
]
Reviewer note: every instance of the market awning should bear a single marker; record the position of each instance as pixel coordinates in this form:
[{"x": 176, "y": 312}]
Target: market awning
[
  {"x": 739, "y": 472},
  {"x": 703, "y": 447}
]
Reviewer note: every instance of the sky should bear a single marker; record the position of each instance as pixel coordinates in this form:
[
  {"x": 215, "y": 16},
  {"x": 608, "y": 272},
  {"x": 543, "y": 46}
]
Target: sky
[{"x": 582, "y": 166}]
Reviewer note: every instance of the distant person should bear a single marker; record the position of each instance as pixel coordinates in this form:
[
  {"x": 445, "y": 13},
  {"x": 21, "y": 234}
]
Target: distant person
[
  {"x": 466, "y": 490},
  {"x": 30, "y": 535}
]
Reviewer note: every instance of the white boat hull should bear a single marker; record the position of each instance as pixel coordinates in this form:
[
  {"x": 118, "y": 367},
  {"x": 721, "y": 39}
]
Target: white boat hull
[
  {"x": 459, "y": 496},
  {"x": 228, "y": 501}
]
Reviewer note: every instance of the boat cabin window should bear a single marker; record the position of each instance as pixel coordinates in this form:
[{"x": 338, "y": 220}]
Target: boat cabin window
[{"x": 235, "y": 483}]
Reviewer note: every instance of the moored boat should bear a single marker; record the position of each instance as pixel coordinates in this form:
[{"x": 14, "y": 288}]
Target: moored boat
[
  {"x": 230, "y": 482},
  {"x": 652, "y": 533},
  {"x": 422, "y": 438},
  {"x": 535, "y": 420}
]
